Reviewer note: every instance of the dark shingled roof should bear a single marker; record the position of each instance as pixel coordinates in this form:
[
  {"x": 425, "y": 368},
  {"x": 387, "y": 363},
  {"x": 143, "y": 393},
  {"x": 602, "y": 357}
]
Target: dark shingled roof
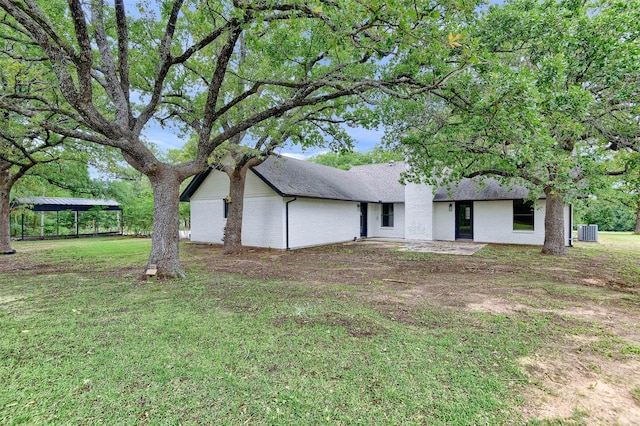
[
  {"x": 473, "y": 190},
  {"x": 383, "y": 179},
  {"x": 59, "y": 204},
  {"x": 370, "y": 183},
  {"x": 291, "y": 177}
]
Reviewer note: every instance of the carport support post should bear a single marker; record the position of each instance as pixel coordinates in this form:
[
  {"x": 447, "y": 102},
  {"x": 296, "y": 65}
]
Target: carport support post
[
  {"x": 75, "y": 215},
  {"x": 22, "y": 225}
]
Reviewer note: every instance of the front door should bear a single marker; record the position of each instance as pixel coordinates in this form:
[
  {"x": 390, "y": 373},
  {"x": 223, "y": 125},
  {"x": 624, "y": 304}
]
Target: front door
[
  {"x": 464, "y": 221},
  {"x": 363, "y": 219}
]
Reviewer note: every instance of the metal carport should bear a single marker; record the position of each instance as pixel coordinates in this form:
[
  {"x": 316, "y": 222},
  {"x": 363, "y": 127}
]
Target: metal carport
[{"x": 77, "y": 205}]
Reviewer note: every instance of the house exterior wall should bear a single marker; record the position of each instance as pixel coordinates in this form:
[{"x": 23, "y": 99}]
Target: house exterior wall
[
  {"x": 316, "y": 222},
  {"x": 263, "y": 222},
  {"x": 444, "y": 222},
  {"x": 214, "y": 187},
  {"x": 263, "y": 212},
  {"x": 374, "y": 222},
  {"x": 493, "y": 223},
  {"x": 207, "y": 221},
  {"x": 418, "y": 212}
]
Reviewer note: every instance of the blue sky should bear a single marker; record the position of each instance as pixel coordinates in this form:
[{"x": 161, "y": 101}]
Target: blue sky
[{"x": 365, "y": 140}]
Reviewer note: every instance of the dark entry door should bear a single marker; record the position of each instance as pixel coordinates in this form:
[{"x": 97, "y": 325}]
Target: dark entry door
[
  {"x": 363, "y": 219},
  {"x": 464, "y": 221}
]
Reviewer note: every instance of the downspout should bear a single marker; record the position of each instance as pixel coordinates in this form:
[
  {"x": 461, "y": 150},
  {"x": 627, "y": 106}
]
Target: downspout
[
  {"x": 287, "y": 219},
  {"x": 570, "y": 225}
]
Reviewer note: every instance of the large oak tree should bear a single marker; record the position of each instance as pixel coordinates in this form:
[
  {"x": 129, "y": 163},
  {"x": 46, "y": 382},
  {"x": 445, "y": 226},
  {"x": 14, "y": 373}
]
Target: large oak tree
[
  {"x": 180, "y": 64},
  {"x": 556, "y": 85}
]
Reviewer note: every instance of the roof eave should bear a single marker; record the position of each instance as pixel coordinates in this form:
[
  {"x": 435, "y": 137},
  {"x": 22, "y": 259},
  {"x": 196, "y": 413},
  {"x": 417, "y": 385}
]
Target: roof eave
[{"x": 194, "y": 185}]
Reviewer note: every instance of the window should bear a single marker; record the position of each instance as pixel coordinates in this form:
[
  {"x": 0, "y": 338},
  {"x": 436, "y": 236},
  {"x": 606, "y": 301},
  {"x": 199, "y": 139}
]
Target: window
[
  {"x": 226, "y": 207},
  {"x": 523, "y": 215},
  {"x": 387, "y": 215}
]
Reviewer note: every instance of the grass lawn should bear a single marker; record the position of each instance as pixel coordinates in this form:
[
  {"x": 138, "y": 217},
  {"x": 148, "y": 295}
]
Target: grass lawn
[{"x": 84, "y": 341}]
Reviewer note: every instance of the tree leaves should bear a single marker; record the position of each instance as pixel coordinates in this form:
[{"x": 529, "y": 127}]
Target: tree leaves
[{"x": 453, "y": 40}]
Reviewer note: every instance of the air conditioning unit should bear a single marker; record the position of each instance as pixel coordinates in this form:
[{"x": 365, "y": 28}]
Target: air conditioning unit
[{"x": 588, "y": 233}]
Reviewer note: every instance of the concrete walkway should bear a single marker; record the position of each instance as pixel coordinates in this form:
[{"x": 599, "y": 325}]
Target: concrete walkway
[{"x": 465, "y": 248}]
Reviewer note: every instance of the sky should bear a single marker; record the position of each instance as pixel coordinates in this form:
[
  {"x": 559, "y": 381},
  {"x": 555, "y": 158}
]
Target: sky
[{"x": 365, "y": 140}]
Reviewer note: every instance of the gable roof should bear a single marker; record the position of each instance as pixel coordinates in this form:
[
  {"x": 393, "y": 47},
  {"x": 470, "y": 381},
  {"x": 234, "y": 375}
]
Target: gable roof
[
  {"x": 290, "y": 177},
  {"x": 480, "y": 189},
  {"x": 373, "y": 183}
]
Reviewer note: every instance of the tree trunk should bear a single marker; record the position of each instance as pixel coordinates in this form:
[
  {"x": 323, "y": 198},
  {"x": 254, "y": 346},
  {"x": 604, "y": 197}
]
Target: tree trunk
[
  {"x": 637, "y": 230},
  {"x": 554, "y": 238},
  {"x": 233, "y": 231},
  {"x": 5, "y": 220},
  {"x": 166, "y": 223}
]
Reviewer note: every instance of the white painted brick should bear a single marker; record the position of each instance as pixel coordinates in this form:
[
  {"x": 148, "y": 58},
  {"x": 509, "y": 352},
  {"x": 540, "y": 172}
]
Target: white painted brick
[
  {"x": 207, "y": 221},
  {"x": 444, "y": 222},
  {"x": 493, "y": 223},
  {"x": 316, "y": 222},
  {"x": 418, "y": 212},
  {"x": 375, "y": 228}
]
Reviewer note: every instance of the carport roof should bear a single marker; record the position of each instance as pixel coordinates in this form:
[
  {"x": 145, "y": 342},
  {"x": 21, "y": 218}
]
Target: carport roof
[{"x": 60, "y": 204}]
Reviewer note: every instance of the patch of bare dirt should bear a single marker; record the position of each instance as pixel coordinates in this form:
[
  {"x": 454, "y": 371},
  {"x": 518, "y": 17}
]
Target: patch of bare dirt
[
  {"x": 567, "y": 380},
  {"x": 572, "y": 383},
  {"x": 10, "y": 299},
  {"x": 571, "y": 379}
]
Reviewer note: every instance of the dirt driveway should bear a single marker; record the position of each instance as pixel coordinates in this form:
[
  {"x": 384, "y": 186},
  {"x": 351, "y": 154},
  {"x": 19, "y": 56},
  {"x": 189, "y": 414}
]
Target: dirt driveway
[{"x": 591, "y": 375}]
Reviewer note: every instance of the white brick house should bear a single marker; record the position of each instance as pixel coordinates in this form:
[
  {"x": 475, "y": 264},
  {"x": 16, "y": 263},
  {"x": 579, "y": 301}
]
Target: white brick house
[{"x": 292, "y": 204}]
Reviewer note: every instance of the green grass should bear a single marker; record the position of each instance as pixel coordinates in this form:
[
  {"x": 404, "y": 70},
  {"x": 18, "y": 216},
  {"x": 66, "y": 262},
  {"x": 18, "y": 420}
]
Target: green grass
[
  {"x": 621, "y": 250},
  {"x": 102, "y": 253},
  {"x": 81, "y": 345},
  {"x": 82, "y": 350}
]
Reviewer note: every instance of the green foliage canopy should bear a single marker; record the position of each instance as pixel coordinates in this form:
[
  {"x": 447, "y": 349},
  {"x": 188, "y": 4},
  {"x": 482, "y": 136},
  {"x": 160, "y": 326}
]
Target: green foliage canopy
[
  {"x": 347, "y": 159},
  {"x": 555, "y": 89}
]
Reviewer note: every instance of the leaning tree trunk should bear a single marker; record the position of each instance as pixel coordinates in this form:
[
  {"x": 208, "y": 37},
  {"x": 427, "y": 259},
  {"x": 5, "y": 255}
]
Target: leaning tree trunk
[
  {"x": 233, "y": 231},
  {"x": 166, "y": 223},
  {"x": 637, "y": 230},
  {"x": 5, "y": 221},
  {"x": 554, "y": 233}
]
